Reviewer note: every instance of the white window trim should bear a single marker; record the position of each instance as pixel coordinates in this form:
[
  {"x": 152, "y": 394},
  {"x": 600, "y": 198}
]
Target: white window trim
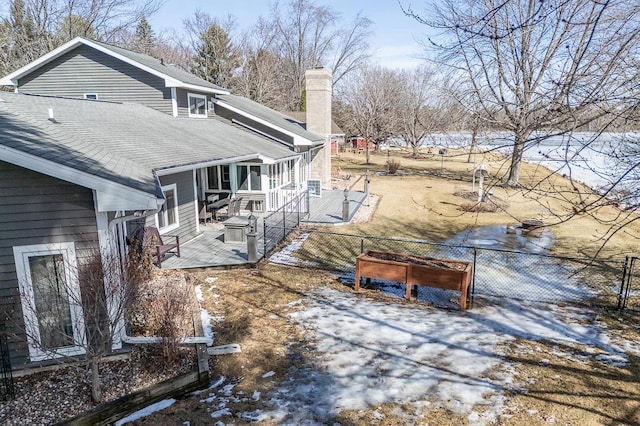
[
  {"x": 248, "y": 166},
  {"x": 175, "y": 225},
  {"x": 21, "y": 255},
  {"x": 197, "y": 95},
  {"x": 86, "y": 96}
]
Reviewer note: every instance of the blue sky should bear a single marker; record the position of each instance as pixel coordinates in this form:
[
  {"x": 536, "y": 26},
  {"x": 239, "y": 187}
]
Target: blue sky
[{"x": 393, "y": 37}]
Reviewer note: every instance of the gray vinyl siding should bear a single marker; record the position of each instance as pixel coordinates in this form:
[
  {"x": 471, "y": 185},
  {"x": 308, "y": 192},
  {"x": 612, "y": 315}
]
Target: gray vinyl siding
[
  {"x": 86, "y": 70},
  {"x": 230, "y": 115},
  {"x": 37, "y": 209},
  {"x": 186, "y": 207}
]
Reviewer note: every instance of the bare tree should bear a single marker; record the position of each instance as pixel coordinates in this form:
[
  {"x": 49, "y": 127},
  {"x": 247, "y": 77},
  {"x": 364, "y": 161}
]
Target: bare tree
[
  {"x": 373, "y": 96},
  {"x": 538, "y": 69},
  {"x": 78, "y": 307},
  {"x": 307, "y": 36},
  {"x": 422, "y": 107},
  {"x": 260, "y": 77}
]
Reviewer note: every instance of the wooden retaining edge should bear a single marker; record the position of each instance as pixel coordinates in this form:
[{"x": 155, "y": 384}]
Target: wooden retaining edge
[{"x": 113, "y": 411}]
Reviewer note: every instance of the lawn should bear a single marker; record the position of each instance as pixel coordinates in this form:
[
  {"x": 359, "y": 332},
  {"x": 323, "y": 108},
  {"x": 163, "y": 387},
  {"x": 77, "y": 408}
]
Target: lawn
[
  {"x": 315, "y": 353},
  {"x": 421, "y": 202}
]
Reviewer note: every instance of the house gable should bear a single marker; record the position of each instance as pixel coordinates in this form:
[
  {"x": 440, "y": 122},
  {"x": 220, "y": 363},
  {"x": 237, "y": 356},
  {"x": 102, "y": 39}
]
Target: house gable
[{"x": 85, "y": 70}]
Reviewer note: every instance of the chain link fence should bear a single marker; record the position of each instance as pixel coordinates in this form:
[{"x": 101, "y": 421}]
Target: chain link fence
[{"x": 497, "y": 273}]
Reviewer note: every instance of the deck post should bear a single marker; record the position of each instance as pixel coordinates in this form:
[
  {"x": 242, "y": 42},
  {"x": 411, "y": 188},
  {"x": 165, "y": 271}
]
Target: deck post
[{"x": 345, "y": 206}]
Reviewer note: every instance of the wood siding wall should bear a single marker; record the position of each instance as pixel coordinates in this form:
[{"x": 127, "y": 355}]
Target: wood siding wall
[
  {"x": 86, "y": 70},
  {"x": 186, "y": 209},
  {"x": 37, "y": 209}
]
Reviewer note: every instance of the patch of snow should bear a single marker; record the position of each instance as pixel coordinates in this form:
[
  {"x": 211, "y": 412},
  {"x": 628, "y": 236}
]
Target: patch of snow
[
  {"x": 252, "y": 416},
  {"x": 256, "y": 396},
  {"x": 210, "y": 280},
  {"x": 268, "y": 374},
  {"x": 286, "y": 256},
  {"x": 372, "y": 352},
  {"x": 158, "y": 406},
  {"x": 219, "y": 413}
]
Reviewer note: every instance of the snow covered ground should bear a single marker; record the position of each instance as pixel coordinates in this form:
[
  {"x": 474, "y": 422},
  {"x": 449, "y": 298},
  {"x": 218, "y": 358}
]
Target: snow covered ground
[{"x": 370, "y": 352}]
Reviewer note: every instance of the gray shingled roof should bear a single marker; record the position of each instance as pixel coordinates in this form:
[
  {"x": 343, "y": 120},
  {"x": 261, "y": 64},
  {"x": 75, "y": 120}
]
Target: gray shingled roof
[
  {"x": 158, "y": 65},
  {"x": 272, "y": 116},
  {"x": 301, "y": 116},
  {"x": 123, "y": 143}
]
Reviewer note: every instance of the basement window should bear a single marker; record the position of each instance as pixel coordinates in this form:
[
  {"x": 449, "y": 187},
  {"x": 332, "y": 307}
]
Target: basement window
[{"x": 91, "y": 96}]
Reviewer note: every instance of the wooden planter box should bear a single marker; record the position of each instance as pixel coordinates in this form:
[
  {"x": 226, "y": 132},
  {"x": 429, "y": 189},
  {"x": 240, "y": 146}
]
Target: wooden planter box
[{"x": 416, "y": 270}]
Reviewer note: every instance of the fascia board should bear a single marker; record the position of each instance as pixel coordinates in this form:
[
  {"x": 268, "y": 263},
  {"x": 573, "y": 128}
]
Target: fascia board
[
  {"x": 297, "y": 139},
  {"x": 12, "y": 79},
  {"x": 178, "y": 169},
  {"x": 181, "y": 85},
  {"x": 141, "y": 199}
]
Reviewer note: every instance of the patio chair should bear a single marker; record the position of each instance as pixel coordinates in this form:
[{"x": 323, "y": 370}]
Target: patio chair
[
  {"x": 204, "y": 213},
  {"x": 226, "y": 211}
]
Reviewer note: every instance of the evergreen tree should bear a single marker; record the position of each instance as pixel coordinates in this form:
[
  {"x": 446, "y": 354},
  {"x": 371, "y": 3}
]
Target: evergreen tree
[
  {"x": 216, "y": 57},
  {"x": 145, "y": 37}
]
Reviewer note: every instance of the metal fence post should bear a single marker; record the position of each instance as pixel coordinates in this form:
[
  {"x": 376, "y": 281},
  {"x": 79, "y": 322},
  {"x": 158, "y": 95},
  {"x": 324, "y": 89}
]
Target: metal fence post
[
  {"x": 361, "y": 245},
  {"x": 624, "y": 276},
  {"x": 284, "y": 223},
  {"x": 473, "y": 276}
]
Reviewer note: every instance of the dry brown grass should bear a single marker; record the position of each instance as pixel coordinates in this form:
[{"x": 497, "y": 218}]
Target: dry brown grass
[
  {"x": 422, "y": 203},
  {"x": 255, "y": 305}
]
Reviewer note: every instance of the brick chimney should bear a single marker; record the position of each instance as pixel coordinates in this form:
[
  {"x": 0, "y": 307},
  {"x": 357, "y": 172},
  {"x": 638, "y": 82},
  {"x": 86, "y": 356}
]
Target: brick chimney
[{"x": 318, "y": 93}]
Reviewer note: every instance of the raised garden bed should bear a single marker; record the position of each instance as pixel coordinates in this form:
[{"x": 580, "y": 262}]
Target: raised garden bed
[{"x": 416, "y": 270}]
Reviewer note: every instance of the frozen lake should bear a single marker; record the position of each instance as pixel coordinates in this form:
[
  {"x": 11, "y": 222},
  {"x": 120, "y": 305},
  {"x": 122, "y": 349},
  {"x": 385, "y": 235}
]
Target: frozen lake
[{"x": 599, "y": 160}]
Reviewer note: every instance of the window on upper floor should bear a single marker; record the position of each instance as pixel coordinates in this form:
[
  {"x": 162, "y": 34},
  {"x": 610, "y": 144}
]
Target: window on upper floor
[
  {"x": 167, "y": 217},
  {"x": 197, "y": 105}
]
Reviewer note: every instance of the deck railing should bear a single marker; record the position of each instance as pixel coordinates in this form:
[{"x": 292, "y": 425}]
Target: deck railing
[{"x": 278, "y": 224}]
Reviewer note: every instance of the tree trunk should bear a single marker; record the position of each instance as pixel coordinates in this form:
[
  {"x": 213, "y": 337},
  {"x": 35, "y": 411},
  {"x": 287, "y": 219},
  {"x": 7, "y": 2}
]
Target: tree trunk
[
  {"x": 415, "y": 149},
  {"x": 366, "y": 151},
  {"x": 474, "y": 146},
  {"x": 96, "y": 392},
  {"x": 516, "y": 160}
]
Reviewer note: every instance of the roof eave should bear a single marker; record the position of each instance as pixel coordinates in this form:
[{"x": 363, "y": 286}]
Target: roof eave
[
  {"x": 297, "y": 139},
  {"x": 175, "y": 83},
  {"x": 127, "y": 198}
]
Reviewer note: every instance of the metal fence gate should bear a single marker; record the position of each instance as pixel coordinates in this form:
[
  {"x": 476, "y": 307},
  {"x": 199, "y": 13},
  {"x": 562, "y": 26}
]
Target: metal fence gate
[{"x": 629, "y": 293}]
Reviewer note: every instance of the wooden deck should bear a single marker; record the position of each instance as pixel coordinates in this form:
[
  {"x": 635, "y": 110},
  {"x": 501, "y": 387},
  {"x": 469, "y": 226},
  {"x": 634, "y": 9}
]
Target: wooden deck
[
  {"x": 209, "y": 249},
  {"x": 327, "y": 210}
]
